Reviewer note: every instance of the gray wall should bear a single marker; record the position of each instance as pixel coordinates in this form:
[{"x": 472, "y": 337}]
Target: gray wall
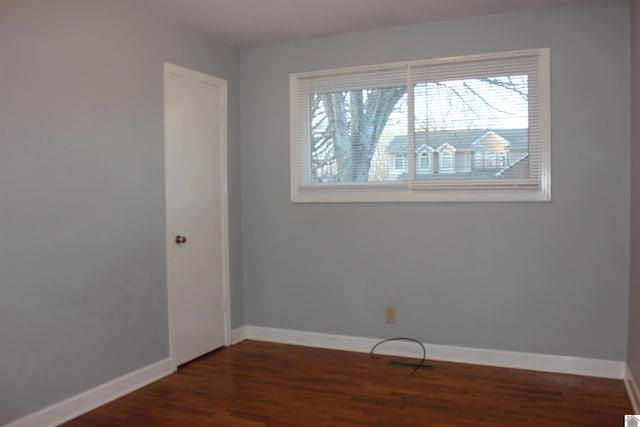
[
  {"x": 633, "y": 358},
  {"x": 545, "y": 278},
  {"x": 83, "y": 286}
]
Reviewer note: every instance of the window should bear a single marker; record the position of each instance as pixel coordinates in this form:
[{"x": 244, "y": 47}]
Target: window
[
  {"x": 446, "y": 162},
  {"x": 502, "y": 159},
  {"x": 424, "y": 162},
  {"x": 377, "y": 133},
  {"x": 490, "y": 160},
  {"x": 400, "y": 163}
]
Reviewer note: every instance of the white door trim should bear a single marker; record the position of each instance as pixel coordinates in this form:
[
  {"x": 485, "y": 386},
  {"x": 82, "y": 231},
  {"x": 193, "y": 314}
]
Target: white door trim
[{"x": 224, "y": 214}]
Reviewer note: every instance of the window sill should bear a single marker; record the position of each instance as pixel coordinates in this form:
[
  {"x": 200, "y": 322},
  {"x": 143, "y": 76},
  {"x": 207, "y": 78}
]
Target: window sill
[{"x": 402, "y": 195}]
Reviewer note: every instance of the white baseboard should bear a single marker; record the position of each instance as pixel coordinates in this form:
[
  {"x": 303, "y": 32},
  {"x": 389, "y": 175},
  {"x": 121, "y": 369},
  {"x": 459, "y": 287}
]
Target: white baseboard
[
  {"x": 84, "y": 402},
  {"x": 632, "y": 389},
  {"x": 499, "y": 358},
  {"x": 238, "y": 334}
]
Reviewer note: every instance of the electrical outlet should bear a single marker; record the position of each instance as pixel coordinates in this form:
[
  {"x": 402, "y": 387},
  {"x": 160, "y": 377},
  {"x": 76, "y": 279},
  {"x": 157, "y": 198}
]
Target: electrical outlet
[{"x": 390, "y": 315}]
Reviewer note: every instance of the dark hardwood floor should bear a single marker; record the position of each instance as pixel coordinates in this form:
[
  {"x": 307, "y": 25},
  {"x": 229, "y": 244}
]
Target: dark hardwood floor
[{"x": 265, "y": 384}]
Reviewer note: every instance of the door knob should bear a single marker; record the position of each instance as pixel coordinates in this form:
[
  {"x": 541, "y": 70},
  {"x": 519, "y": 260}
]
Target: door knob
[{"x": 181, "y": 239}]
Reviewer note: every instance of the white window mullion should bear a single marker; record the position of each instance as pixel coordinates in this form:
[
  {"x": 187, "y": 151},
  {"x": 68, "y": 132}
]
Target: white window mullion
[{"x": 411, "y": 137}]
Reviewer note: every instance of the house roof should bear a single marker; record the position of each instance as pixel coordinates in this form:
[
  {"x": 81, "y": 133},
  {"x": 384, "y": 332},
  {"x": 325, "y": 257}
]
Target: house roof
[
  {"x": 516, "y": 170},
  {"x": 491, "y": 140},
  {"x": 462, "y": 139}
]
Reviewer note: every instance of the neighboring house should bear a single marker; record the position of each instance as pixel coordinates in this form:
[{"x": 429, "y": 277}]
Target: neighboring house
[{"x": 463, "y": 154}]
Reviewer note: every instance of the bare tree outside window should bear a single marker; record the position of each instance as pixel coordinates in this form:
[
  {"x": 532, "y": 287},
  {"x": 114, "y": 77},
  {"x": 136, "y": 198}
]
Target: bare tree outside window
[{"x": 346, "y": 129}]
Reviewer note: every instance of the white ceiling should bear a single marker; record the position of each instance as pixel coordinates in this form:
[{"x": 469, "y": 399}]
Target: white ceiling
[{"x": 246, "y": 23}]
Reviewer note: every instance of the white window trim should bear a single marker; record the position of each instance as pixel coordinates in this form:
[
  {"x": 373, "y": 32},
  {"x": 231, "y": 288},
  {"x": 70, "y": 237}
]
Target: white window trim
[
  {"x": 405, "y": 161},
  {"x": 400, "y": 192}
]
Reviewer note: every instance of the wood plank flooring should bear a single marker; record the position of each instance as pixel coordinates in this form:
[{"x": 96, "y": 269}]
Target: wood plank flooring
[{"x": 265, "y": 384}]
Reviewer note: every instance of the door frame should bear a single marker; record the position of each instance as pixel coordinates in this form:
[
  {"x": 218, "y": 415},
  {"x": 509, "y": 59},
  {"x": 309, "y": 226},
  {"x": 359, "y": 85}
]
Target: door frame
[{"x": 170, "y": 69}]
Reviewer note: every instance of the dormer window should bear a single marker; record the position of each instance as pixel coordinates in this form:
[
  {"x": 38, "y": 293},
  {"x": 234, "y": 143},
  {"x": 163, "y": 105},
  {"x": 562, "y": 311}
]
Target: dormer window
[
  {"x": 446, "y": 159},
  {"x": 492, "y": 151},
  {"x": 424, "y": 160},
  {"x": 446, "y": 162}
]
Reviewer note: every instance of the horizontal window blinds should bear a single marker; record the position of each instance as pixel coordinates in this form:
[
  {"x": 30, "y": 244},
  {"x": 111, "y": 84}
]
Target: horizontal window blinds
[
  {"x": 357, "y": 78},
  {"x": 486, "y": 113},
  {"x": 342, "y": 118}
]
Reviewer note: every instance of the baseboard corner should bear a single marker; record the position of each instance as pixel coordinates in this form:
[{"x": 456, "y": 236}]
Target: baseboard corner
[
  {"x": 238, "y": 334},
  {"x": 632, "y": 389}
]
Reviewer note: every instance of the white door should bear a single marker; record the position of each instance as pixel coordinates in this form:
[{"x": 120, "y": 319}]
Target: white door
[{"x": 196, "y": 212}]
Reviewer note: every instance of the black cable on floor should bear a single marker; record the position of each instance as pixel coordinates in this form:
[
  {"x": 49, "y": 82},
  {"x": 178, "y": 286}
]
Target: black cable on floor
[{"x": 416, "y": 367}]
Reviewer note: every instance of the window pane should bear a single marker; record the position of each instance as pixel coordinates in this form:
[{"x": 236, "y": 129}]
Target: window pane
[
  {"x": 484, "y": 122},
  {"x": 351, "y": 133},
  {"x": 446, "y": 163}
]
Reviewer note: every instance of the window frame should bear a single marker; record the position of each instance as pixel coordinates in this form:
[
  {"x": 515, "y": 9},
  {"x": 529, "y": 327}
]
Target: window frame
[
  {"x": 403, "y": 159},
  {"x": 402, "y": 191}
]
